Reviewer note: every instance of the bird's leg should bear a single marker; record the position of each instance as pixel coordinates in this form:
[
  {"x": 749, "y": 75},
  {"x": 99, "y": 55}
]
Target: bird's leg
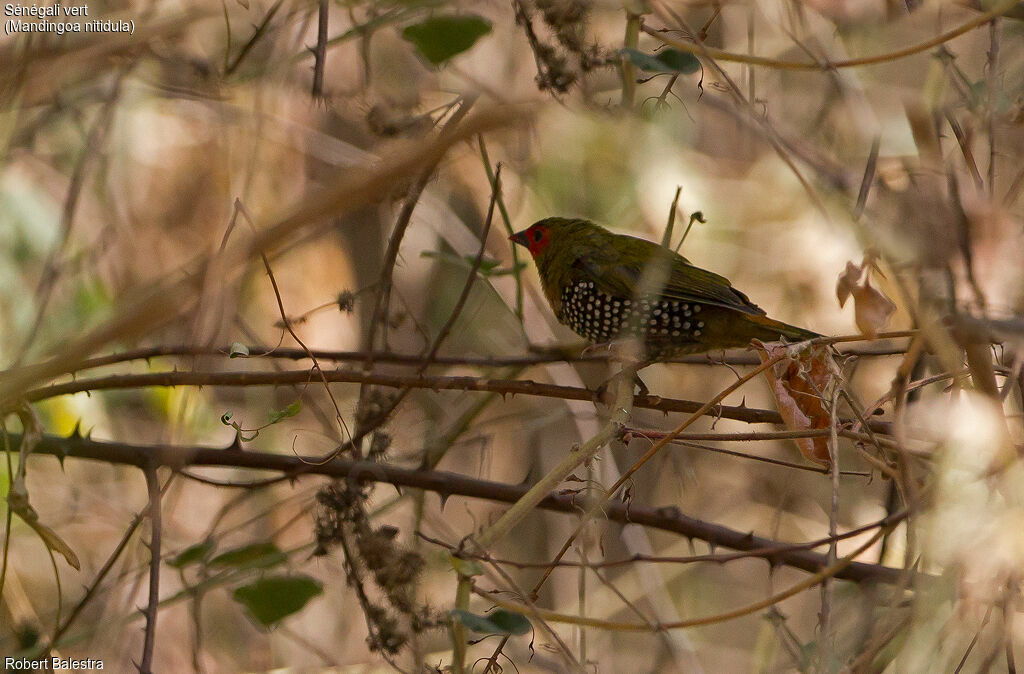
[
  {"x": 639, "y": 383},
  {"x": 622, "y": 351},
  {"x": 602, "y": 390}
]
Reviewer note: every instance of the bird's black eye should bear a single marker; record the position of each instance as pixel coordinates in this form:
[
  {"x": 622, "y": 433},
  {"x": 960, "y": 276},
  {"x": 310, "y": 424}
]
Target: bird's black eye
[{"x": 538, "y": 235}]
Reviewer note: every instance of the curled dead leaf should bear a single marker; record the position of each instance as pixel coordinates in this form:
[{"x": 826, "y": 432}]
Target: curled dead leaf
[
  {"x": 872, "y": 309},
  {"x": 17, "y": 501},
  {"x": 848, "y": 282},
  {"x": 798, "y": 383}
]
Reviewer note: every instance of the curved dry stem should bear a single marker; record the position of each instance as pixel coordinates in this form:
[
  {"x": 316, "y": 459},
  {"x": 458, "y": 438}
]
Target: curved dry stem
[
  {"x": 749, "y": 59},
  {"x": 552, "y": 616}
]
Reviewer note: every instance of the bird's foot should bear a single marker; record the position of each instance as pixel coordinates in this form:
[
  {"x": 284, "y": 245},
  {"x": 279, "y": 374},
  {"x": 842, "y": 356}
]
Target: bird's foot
[
  {"x": 599, "y": 347},
  {"x": 601, "y": 393}
]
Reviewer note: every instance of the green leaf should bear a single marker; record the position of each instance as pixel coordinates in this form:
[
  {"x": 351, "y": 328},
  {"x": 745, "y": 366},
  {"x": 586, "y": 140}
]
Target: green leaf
[
  {"x": 192, "y": 554},
  {"x": 495, "y": 622},
  {"x": 254, "y": 555},
  {"x": 665, "y": 61},
  {"x": 272, "y": 599},
  {"x": 294, "y": 408},
  {"x": 504, "y": 271},
  {"x": 510, "y": 622},
  {"x": 441, "y": 37},
  {"x": 466, "y": 567},
  {"x": 238, "y": 350},
  {"x": 488, "y": 267}
]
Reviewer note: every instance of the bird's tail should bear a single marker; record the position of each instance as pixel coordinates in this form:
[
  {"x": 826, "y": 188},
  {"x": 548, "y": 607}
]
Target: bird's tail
[{"x": 771, "y": 330}]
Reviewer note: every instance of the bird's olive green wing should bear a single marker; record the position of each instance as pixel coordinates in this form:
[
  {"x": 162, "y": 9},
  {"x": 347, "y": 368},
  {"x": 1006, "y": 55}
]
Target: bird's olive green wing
[
  {"x": 620, "y": 275},
  {"x": 687, "y": 282}
]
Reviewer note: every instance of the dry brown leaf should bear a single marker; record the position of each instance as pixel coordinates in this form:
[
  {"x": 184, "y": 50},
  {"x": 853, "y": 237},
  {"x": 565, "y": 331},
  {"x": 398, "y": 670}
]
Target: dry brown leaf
[
  {"x": 798, "y": 384},
  {"x": 848, "y": 282},
  {"x": 872, "y": 309}
]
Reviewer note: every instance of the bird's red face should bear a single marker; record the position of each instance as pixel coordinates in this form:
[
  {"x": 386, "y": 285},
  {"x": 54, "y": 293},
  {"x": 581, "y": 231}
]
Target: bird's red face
[{"x": 536, "y": 238}]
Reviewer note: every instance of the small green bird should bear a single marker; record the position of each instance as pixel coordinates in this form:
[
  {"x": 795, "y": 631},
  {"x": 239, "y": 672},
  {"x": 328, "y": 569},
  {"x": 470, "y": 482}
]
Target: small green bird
[{"x": 591, "y": 276}]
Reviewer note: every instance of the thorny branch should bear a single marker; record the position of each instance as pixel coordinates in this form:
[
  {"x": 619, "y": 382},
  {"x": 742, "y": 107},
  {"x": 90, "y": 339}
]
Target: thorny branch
[
  {"x": 540, "y": 356},
  {"x": 153, "y": 601},
  {"x": 437, "y": 383},
  {"x": 448, "y": 484}
]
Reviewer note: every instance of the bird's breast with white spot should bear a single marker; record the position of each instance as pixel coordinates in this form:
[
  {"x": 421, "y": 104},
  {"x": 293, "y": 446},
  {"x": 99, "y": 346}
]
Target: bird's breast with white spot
[{"x": 599, "y": 316}]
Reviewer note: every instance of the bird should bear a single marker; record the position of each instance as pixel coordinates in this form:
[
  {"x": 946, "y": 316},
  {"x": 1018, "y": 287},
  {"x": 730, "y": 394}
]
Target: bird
[{"x": 591, "y": 279}]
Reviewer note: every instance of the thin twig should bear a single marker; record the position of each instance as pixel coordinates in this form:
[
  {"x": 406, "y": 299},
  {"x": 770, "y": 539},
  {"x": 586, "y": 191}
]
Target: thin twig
[
  {"x": 9, "y": 515},
  {"x": 868, "y": 179},
  {"x": 826, "y": 641},
  {"x": 153, "y": 603},
  {"x": 628, "y": 70},
  {"x": 991, "y": 87},
  {"x": 965, "y": 149},
  {"x": 320, "y": 51},
  {"x": 507, "y": 221},
  {"x": 1013, "y": 191},
  {"x": 666, "y": 238},
  {"x": 257, "y": 34},
  {"x": 757, "y": 436},
  {"x": 768, "y": 460}
]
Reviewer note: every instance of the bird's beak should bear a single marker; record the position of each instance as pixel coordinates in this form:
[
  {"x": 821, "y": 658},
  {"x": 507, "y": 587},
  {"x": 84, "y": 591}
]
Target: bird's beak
[{"x": 520, "y": 238}]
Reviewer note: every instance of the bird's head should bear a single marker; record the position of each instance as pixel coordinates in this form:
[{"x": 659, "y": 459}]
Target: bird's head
[
  {"x": 539, "y": 236},
  {"x": 535, "y": 238}
]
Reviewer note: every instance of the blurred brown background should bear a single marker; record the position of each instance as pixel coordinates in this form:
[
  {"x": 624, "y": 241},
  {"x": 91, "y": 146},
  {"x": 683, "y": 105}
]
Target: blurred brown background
[{"x": 123, "y": 157}]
